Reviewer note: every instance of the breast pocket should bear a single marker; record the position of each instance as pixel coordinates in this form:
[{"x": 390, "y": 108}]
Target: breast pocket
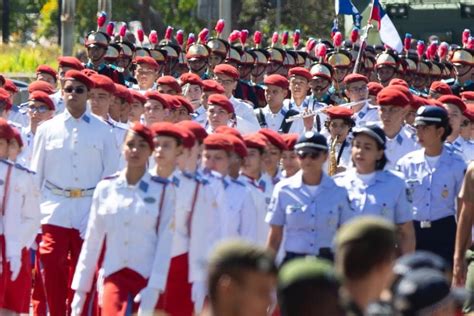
[
  {"x": 414, "y": 190},
  {"x": 298, "y": 216},
  {"x": 54, "y": 144}
]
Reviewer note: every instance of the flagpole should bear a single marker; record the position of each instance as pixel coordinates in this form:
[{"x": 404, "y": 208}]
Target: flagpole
[{"x": 363, "y": 39}]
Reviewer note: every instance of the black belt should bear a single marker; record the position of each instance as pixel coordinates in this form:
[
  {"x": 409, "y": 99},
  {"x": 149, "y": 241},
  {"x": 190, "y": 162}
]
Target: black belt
[{"x": 324, "y": 253}]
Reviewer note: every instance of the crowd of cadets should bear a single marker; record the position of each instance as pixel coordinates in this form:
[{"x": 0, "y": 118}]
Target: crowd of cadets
[{"x": 122, "y": 173}]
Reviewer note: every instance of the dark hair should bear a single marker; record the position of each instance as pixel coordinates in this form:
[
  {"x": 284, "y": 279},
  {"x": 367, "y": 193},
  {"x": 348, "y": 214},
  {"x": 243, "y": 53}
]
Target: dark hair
[
  {"x": 347, "y": 121},
  {"x": 447, "y": 129}
]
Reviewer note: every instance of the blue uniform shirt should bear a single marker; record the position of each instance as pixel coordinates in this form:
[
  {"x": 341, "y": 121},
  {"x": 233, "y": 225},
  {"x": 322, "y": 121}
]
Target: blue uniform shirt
[
  {"x": 384, "y": 195},
  {"x": 310, "y": 220},
  {"x": 434, "y": 191}
]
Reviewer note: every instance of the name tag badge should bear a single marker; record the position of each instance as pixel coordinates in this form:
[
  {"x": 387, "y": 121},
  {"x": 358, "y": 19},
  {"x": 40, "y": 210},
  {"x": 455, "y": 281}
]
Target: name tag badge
[
  {"x": 149, "y": 200},
  {"x": 445, "y": 193},
  {"x": 425, "y": 224}
]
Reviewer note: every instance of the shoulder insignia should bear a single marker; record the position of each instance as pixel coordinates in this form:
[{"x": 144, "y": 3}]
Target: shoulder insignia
[
  {"x": 86, "y": 118},
  {"x": 7, "y": 162},
  {"x": 175, "y": 181},
  {"x": 160, "y": 180},
  {"x": 238, "y": 182},
  {"x": 143, "y": 186}
]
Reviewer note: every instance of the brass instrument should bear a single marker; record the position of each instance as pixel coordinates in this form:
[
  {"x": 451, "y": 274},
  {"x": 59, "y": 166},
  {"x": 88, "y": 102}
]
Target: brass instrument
[{"x": 333, "y": 157}]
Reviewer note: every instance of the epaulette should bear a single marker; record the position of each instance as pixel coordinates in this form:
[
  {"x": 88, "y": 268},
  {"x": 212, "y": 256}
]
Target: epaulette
[
  {"x": 175, "y": 181},
  {"x": 23, "y": 168},
  {"x": 7, "y": 162},
  {"x": 238, "y": 182},
  {"x": 112, "y": 176},
  {"x": 161, "y": 180},
  {"x": 199, "y": 178},
  {"x": 188, "y": 175}
]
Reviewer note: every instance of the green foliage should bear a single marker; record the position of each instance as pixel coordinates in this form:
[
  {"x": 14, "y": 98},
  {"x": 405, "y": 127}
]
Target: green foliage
[
  {"x": 17, "y": 58},
  {"x": 47, "y": 24}
]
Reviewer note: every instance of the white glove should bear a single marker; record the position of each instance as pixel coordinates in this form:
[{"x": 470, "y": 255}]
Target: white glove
[
  {"x": 198, "y": 296},
  {"x": 148, "y": 298},
  {"x": 15, "y": 266},
  {"x": 78, "y": 303}
]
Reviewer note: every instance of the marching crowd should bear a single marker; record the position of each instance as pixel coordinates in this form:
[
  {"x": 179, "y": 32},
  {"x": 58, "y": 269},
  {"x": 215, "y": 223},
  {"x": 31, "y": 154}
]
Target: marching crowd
[{"x": 343, "y": 168}]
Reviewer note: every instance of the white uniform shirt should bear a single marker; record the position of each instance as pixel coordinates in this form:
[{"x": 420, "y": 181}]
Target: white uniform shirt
[
  {"x": 200, "y": 116},
  {"x": 343, "y": 155},
  {"x": 244, "y": 111},
  {"x": 368, "y": 113},
  {"x": 71, "y": 153},
  {"x": 138, "y": 223},
  {"x": 312, "y": 105},
  {"x": 274, "y": 120},
  {"x": 465, "y": 148},
  {"x": 58, "y": 101},
  {"x": 403, "y": 143}
]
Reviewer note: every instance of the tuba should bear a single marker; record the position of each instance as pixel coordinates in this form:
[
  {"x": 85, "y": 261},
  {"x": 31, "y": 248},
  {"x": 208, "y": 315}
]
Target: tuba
[{"x": 332, "y": 157}]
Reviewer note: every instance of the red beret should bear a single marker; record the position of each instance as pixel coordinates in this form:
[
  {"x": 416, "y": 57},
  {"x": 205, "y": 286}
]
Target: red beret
[
  {"x": 218, "y": 142},
  {"x": 17, "y": 136},
  {"x": 144, "y": 132},
  {"x": 301, "y": 72},
  {"x": 6, "y": 131},
  {"x": 418, "y": 102},
  {"x": 169, "y": 81},
  {"x": 70, "y": 62},
  {"x": 239, "y": 146},
  {"x": 441, "y": 87},
  {"x": 185, "y": 102},
  {"x": 155, "y": 95},
  {"x": 351, "y": 78},
  {"x": 147, "y": 60},
  {"x": 79, "y": 76},
  {"x": 47, "y": 69},
  {"x": 374, "y": 88},
  {"x": 398, "y": 82},
  {"x": 10, "y": 86},
  {"x": 190, "y": 78},
  {"x": 274, "y": 138},
  {"x": 42, "y": 97},
  {"x": 5, "y": 98},
  {"x": 290, "y": 140},
  {"x": 40, "y": 85},
  {"x": 89, "y": 72},
  {"x": 276, "y": 80},
  {"x": 210, "y": 85},
  {"x": 173, "y": 130},
  {"x": 467, "y": 95},
  {"x": 222, "y": 101},
  {"x": 199, "y": 132},
  {"x": 392, "y": 96},
  {"x": 227, "y": 70},
  {"x": 123, "y": 93},
  {"x": 339, "y": 112},
  {"x": 104, "y": 83},
  {"x": 137, "y": 96},
  {"x": 255, "y": 140},
  {"x": 453, "y": 99},
  {"x": 229, "y": 131}
]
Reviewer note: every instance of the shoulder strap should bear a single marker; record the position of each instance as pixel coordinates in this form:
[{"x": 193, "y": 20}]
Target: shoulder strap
[
  {"x": 261, "y": 118},
  {"x": 285, "y": 126}
]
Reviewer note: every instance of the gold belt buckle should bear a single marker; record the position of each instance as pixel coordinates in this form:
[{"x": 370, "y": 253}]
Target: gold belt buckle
[{"x": 75, "y": 193}]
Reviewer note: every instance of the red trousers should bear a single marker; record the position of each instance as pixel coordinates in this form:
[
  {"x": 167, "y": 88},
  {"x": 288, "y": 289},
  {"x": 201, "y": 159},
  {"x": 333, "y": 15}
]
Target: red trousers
[
  {"x": 5, "y": 274},
  {"x": 17, "y": 295},
  {"x": 59, "y": 251},
  {"x": 176, "y": 300},
  {"x": 120, "y": 288},
  {"x": 38, "y": 297}
]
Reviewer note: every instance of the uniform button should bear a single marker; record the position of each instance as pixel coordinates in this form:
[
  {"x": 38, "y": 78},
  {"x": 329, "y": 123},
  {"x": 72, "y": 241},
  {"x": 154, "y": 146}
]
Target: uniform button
[
  {"x": 125, "y": 242},
  {"x": 312, "y": 215},
  {"x": 311, "y": 245},
  {"x": 76, "y": 179},
  {"x": 74, "y": 166},
  {"x": 428, "y": 189},
  {"x": 427, "y": 204},
  {"x": 75, "y": 154}
]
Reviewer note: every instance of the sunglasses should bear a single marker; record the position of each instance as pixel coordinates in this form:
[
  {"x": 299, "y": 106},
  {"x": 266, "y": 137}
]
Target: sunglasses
[
  {"x": 77, "y": 90},
  {"x": 313, "y": 155},
  {"x": 39, "y": 109}
]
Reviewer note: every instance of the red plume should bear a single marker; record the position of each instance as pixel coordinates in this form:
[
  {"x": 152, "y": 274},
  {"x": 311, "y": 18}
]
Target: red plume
[
  {"x": 284, "y": 38},
  {"x": 141, "y": 35},
  {"x": 110, "y": 29},
  {"x": 203, "y": 35},
  {"x": 354, "y": 35},
  {"x": 180, "y": 37},
  {"x": 191, "y": 40},
  {"x": 443, "y": 50},
  {"x": 234, "y": 36},
  {"x": 320, "y": 50},
  {"x": 257, "y": 38},
  {"x": 123, "y": 30},
  {"x": 153, "y": 37},
  {"x": 274, "y": 38},
  {"x": 465, "y": 36},
  {"x": 168, "y": 33},
  {"x": 296, "y": 39},
  {"x": 420, "y": 49},
  {"x": 470, "y": 43},
  {"x": 244, "y": 34},
  {"x": 101, "y": 19},
  {"x": 310, "y": 45},
  {"x": 337, "y": 39},
  {"x": 431, "y": 50},
  {"x": 407, "y": 42},
  {"x": 219, "y": 26}
]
